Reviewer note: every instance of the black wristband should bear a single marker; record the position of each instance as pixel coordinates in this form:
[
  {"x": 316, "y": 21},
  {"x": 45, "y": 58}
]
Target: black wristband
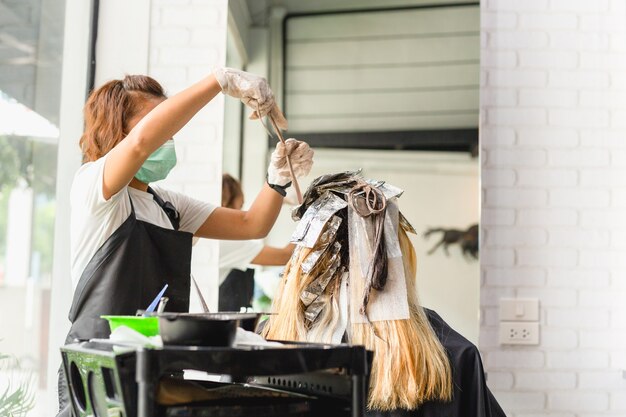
[{"x": 280, "y": 189}]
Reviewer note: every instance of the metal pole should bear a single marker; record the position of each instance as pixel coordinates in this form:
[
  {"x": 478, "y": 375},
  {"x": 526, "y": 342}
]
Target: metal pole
[
  {"x": 358, "y": 396},
  {"x": 145, "y": 385}
]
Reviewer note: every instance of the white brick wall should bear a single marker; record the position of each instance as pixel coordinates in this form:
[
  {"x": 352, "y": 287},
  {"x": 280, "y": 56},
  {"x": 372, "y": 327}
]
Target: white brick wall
[
  {"x": 553, "y": 140},
  {"x": 187, "y": 39}
]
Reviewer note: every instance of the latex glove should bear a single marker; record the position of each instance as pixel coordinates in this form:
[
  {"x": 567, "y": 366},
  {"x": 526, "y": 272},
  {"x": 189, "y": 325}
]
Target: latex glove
[
  {"x": 301, "y": 156},
  {"x": 253, "y": 90}
]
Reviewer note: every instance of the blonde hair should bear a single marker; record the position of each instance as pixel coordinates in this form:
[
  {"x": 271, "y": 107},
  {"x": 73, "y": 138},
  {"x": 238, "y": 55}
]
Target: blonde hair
[{"x": 410, "y": 365}]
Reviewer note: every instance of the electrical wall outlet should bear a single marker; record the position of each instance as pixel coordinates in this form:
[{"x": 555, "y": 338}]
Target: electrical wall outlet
[{"x": 519, "y": 333}]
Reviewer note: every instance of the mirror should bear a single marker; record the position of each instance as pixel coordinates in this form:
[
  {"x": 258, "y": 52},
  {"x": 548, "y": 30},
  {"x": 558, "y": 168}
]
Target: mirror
[{"x": 395, "y": 93}]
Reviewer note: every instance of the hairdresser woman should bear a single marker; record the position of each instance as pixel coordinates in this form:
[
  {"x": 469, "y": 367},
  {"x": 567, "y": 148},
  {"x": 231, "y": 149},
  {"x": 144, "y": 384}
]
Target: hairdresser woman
[{"x": 128, "y": 239}]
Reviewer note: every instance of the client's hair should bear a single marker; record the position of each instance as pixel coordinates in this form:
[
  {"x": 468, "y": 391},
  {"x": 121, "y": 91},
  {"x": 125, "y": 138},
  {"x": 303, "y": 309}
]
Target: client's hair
[{"x": 410, "y": 365}]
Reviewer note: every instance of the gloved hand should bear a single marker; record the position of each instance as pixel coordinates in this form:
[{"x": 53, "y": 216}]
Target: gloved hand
[
  {"x": 254, "y": 92},
  {"x": 277, "y": 115},
  {"x": 301, "y": 156}
]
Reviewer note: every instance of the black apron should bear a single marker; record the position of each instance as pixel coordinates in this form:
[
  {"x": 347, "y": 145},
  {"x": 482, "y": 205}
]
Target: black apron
[
  {"x": 237, "y": 290},
  {"x": 125, "y": 275}
]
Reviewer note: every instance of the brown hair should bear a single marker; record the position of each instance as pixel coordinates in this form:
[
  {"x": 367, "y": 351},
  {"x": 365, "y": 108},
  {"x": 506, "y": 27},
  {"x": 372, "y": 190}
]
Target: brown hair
[
  {"x": 108, "y": 110},
  {"x": 231, "y": 190}
]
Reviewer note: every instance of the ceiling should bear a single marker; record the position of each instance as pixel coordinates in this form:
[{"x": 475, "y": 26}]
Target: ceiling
[
  {"x": 260, "y": 9},
  {"x": 31, "y": 45}
]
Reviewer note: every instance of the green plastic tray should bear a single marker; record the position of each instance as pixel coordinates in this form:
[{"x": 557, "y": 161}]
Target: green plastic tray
[{"x": 147, "y": 326}]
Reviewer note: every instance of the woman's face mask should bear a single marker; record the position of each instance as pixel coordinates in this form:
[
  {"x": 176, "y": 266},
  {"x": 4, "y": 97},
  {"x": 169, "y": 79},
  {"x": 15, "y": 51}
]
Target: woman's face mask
[{"x": 159, "y": 164}]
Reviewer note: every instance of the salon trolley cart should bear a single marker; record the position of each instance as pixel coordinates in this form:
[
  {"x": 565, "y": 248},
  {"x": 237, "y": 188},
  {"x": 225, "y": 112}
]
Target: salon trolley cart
[{"x": 106, "y": 379}]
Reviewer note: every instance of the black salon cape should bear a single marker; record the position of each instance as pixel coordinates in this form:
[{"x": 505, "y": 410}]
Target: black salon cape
[
  {"x": 237, "y": 290},
  {"x": 471, "y": 396}
]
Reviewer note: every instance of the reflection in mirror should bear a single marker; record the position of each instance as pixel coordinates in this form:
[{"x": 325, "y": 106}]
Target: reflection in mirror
[{"x": 395, "y": 93}]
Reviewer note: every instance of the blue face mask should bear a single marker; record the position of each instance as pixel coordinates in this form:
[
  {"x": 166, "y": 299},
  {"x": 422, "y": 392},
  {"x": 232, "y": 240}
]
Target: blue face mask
[{"x": 159, "y": 164}]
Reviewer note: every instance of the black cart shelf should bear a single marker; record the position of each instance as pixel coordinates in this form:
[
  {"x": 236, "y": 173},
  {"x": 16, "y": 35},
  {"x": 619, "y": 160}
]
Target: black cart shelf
[{"x": 108, "y": 377}]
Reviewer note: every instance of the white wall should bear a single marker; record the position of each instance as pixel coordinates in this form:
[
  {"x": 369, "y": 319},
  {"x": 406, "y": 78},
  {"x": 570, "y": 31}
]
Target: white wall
[
  {"x": 553, "y": 105},
  {"x": 123, "y": 38},
  {"x": 440, "y": 190},
  {"x": 188, "y": 39}
]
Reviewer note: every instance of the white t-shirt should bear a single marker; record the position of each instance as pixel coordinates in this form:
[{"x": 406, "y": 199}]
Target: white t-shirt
[
  {"x": 237, "y": 254},
  {"x": 94, "y": 219}
]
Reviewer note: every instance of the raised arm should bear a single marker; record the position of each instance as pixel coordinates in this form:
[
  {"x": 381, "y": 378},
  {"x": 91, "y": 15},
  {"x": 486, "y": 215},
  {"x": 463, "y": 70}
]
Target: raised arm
[
  {"x": 152, "y": 130},
  {"x": 271, "y": 256},
  {"x": 159, "y": 119},
  {"x": 231, "y": 224}
]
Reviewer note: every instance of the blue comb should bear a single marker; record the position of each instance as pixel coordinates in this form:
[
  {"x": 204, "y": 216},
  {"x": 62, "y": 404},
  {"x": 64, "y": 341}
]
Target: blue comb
[{"x": 155, "y": 302}]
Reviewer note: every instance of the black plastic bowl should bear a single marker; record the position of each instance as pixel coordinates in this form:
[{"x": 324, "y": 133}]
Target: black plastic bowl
[
  {"x": 206, "y": 329},
  {"x": 248, "y": 321}
]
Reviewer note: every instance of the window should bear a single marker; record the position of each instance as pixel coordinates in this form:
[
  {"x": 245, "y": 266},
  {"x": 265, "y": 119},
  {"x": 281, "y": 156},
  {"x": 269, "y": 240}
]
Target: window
[{"x": 31, "y": 50}]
